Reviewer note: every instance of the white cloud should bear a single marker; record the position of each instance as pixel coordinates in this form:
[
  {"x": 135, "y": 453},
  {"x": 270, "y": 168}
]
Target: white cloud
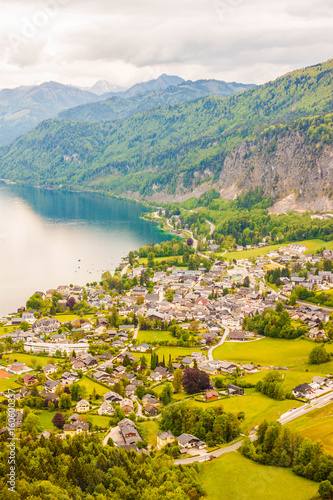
[{"x": 80, "y": 41}]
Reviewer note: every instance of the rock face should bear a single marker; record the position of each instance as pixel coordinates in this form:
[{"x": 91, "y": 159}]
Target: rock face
[
  {"x": 299, "y": 175},
  {"x": 283, "y": 166}
]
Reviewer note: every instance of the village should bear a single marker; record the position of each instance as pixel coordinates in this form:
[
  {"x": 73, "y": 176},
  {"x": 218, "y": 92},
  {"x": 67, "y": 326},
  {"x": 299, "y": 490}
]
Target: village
[{"x": 115, "y": 366}]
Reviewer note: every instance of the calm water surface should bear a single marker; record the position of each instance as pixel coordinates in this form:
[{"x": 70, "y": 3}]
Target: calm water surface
[{"x": 50, "y": 238}]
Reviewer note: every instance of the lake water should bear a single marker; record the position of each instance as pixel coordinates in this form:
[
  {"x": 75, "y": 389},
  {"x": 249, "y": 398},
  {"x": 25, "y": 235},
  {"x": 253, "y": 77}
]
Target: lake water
[{"x": 51, "y": 238}]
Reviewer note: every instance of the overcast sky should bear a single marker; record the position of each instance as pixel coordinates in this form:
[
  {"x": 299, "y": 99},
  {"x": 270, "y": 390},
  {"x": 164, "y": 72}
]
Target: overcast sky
[{"x": 126, "y": 41}]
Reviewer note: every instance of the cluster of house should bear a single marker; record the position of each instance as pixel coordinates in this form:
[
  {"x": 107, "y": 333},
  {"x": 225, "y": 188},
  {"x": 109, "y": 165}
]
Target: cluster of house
[{"x": 308, "y": 391}]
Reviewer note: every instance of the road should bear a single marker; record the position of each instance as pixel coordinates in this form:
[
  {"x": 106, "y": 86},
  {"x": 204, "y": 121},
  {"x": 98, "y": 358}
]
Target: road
[
  {"x": 224, "y": 336},
  {"x": 139, "y": 410},
  {"x": 136, "y": 331},
  {"x": 124, "y": 270}
]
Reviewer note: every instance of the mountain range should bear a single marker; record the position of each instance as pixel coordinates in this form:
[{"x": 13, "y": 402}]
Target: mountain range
[
  {"x": 23, "y": 108},
  {"x": 277, "y": 135}
]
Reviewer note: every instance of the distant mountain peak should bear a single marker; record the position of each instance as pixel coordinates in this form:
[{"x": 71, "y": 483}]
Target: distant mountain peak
[{"x": 103, "y": 87}]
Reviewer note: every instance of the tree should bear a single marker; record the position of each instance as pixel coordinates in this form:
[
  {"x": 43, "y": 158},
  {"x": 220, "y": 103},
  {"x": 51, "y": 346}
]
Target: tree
[
  {"x": 319, "y": 355},
  {"x": 140, "y": 391},
  {"x": 131, "y": 257},
  {"x": 71, "y": 303},
  {"x": 189, "y": 242},
  {"x": 65, "y": 402},
  {"x": 35, "y": 302},
  {"x": 31, "y": 425},
  {"x": 59, "y": 420},
  {"x": 126, "y": 361},
  {"x": 325, "y": 490},
  {"x": 246, "y": 282},
  {"x": 195, "y": 381},
  {"x": 177, "y": 380},
  {"x": 24, "y": 326},
  {"x": 166, "y": 395},
  {"x": 151, "y": 257},
  {"x": 140, "y": 300}
]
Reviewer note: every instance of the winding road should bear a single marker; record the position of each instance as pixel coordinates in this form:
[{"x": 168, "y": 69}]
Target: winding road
[{"x": 224, "y": 336}]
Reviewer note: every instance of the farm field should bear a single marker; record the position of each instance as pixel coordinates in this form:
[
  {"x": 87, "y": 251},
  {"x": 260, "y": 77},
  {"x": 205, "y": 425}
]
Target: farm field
[
  {"x": 316, "y": 425},
  {"x": 150, "y": 336},
  {"x": 272, "y": 352},
  {"x": 234, "y": 476},
  {"x": 256, "y": 406},
  {"x": 312, "y": 245}
]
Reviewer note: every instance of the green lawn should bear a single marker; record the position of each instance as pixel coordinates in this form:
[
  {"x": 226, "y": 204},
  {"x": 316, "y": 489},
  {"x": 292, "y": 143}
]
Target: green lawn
[
  {"x": 65, "y": 318},
  {"x": 7, "y": 329},
  {"x": 90, "y": 385},
  {"x": 316, "y": 425},
  {"x": 46, "y": 419},
  {"x": 144, "y": 260},
  {"x": 312, "y": 245},
  {"x": 233, "y": 476},
  {"x": 180, "y": 395},
  {"x": 101, "y": 420},
  {"x": 273, "y": 352},
  {"x": 255, "y": 405},
  {"x": 150, "y": 336},
  {"x": 153, "y": 429},
  {"x": 26, "y": 358},
  {"x": 8, "y": 383}
]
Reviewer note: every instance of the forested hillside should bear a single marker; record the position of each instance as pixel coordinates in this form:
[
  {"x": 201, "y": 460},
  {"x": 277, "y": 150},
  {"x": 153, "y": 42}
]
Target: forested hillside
[{"x": 171, "y": 150}]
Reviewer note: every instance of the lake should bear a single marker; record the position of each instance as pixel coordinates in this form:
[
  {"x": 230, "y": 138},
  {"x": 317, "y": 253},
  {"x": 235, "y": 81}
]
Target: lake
[{"x": 51, "y": 238}]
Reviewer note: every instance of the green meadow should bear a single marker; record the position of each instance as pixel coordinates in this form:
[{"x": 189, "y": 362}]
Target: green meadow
[
  {"x": 150, "y": 336},
  {"x": 233, "y": 476},
  {"x": 316, "y": 425},
  {"x": 312, "y": 245},
  {"x": 256, "y": 406},
  {"x": 272, "y": 352}
]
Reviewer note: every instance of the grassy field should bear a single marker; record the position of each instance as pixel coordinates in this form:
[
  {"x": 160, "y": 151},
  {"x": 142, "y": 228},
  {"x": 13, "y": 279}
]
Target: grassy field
[
  {"x": 180, "y": 395},
  {"x": 174, "y": 351},
  {"x": 153, "y": 429},
  {"x": 312, "y": 245},
  {"x": 7, "y": 329},
  {"x": 273, "y": 352},
  {"x": 233, "y": 476},
  {"x": 144, "y": 260},
  {"x": 316, "y": 425},
  {"x": 46, "y": 420},
  {"x": 8, "y": 383},
  {"x": 255, "y": 405},
  {"x": 90, "y": 385},
  {"x": 101, "y": 420},
  {"x": 26, "y": 358},
  {"x": 65, "y": 318},
  {"x": 291, "y": 378},
  {"x": 150, "y": 336}
]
